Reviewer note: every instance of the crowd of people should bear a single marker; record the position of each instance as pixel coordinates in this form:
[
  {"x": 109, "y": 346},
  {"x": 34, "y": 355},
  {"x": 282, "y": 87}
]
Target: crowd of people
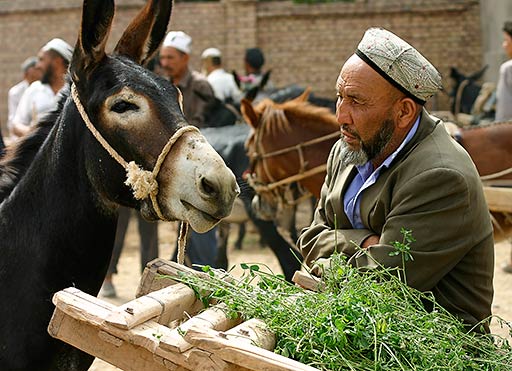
[{"x": 393, "y": 168}]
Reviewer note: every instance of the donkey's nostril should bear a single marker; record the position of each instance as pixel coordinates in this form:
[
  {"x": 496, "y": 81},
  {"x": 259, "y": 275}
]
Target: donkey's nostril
[{"x": 208, "y": 187}]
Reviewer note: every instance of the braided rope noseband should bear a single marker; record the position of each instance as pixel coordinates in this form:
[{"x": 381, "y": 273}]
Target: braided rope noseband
[{"x": 142, "y": 182}]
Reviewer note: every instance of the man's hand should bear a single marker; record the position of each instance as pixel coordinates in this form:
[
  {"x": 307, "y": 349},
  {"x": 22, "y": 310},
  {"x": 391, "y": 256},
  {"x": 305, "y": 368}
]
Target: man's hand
[
  {"x": 369, "y": 241},
  {"x": 321, "y": 266}
]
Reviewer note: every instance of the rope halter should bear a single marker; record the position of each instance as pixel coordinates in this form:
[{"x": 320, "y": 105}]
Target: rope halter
[{"x": 142, "y": 182}]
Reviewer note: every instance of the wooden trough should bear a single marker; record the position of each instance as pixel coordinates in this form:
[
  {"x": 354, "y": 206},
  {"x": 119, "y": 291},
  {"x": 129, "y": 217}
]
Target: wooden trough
[{"x": 165, "y": 328}]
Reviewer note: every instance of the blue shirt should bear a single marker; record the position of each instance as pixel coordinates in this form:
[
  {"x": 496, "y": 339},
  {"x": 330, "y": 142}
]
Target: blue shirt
[{"x": 365, "y": 178}]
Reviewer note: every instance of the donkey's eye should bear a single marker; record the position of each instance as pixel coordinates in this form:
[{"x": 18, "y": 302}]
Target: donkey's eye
[{"x": 123, "y": 106}]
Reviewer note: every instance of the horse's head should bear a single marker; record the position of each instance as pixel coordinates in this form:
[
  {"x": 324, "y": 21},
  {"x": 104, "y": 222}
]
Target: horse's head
[
  {"x": 140, "y": 123},
  {"x": 287, "y": 148}
]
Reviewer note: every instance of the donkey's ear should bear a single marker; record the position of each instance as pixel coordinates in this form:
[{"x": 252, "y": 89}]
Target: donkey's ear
[
  {"x": 249, "y": 114},
  {"x": 144, "y": 35},
  {"x": 90, "y": 47},
  {"x": 478, "y": 74},
  {"x": 304, "y": 96}
]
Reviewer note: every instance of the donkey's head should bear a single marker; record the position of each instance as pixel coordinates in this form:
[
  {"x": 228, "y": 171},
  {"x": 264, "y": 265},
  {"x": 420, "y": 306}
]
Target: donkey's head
[{"x": 137, "y": 116}]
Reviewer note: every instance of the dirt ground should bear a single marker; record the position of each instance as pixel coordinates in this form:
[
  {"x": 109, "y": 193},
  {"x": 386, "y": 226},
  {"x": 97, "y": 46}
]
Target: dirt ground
[{"x": 127, "y": 280}]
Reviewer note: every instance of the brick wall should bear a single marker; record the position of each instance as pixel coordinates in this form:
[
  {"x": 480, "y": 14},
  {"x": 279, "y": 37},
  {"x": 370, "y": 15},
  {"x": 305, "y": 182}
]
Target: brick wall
[{"x": 303, "y": 44}]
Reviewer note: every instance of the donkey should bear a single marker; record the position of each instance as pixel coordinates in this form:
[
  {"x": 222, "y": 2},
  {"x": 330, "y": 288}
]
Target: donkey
[{"x": 58, "y": 213}]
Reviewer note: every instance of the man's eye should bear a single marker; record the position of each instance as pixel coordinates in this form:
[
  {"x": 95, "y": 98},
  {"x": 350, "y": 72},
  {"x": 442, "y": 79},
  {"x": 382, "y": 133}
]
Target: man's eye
[{"x": 123, "y": 106}]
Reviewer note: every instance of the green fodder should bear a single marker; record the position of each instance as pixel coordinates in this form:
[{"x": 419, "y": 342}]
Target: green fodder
[{"x": 360, "y": 320}]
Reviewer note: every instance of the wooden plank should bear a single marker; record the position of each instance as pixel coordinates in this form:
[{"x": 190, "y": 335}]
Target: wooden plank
[
  {"x": 253, "y": 332},
  {"x": 307, "y": 281},
  {"x": 168, "y": 304},
  {"x": 240, "y": 353},
  {"x": 120, "y": 353},
  {"x": 213, "y": 318},
  {"x": 79, "y": 320},
  {"x": 159, "y": 273},
  {"x": 499, "y": 199},
  {"x": 151, "y": 280}
]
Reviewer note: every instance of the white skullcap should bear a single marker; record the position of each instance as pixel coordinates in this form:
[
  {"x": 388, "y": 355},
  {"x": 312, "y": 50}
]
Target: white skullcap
[
  {"x": 178, "y": 40},
  {"x": 60, "y": 46},
  {"x": 211, "y": 53},
  {"x": 27, "y": 63},
  {"x": 400, "y": 64}
]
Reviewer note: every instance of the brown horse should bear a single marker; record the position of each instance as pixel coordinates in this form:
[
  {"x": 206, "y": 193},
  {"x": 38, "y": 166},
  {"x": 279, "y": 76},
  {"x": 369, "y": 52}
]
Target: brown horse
[
  {"x": 278, "y": 153},
  {"x": 288, "y": 145},
  {"x": 490, "y": 147}
]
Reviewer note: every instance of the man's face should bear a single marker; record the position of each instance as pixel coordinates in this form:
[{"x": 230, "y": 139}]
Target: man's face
[
  {"x": 364, "y": 110},
  {"x": 173, "y": 63},
  {"x": 45, "y": 66},
  {"x": 507, "y": 44},
  {"x": 33, "y": 74}
]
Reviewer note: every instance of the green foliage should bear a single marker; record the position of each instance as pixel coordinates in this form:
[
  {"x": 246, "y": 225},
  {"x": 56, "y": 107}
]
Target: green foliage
[{"x": 361, "y": 321}]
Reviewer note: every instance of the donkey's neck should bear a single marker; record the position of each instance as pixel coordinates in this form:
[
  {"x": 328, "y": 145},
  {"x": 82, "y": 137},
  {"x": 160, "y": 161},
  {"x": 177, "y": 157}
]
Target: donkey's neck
[{"x": 55, "y": 214}]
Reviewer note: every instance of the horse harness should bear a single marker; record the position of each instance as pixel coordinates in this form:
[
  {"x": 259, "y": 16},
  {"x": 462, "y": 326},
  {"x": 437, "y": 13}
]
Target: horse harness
[{"x": 282, "y": 188}]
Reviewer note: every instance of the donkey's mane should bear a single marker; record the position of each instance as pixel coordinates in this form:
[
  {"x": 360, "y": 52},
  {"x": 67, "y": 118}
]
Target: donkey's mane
[{"x": 19, "y": 155}]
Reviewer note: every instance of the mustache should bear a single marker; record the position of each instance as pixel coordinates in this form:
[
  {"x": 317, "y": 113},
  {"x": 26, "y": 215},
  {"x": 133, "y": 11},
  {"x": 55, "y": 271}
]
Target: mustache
[{"x": 346, "y": 128}]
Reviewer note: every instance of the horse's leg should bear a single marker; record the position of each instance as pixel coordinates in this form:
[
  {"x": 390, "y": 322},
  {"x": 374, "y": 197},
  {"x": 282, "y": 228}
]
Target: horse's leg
[
  {"x": 222, "y": 245},
  {"x": 241, "y": 235},
  {"x": 289, "y": 258},
  {"x": 285, "y": 219},
  {"x": 507, "y": 268},
  {"x": 293, "y": 224},
  {"x": 148, "y": 232}
]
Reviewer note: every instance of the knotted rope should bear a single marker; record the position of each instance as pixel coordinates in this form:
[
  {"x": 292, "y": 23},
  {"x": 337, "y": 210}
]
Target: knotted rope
[{"x": 142, "y": 182}]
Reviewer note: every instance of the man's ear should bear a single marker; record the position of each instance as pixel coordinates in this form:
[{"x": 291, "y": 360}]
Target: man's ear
[{"x": 406, "y": 113}]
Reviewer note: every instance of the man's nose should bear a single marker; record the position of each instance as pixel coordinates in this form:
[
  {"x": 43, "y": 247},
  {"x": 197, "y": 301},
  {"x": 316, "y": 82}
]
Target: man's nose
[{"x": 342, "y": 115}]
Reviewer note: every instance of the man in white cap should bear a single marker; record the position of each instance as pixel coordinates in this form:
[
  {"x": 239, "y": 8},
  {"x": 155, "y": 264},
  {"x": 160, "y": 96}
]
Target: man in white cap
[
  {"x": 30, "y": 74},
  {"x": 395, "y": 167},
  {"x": 223, "y": 83},
  {"x": 41, "y": 96},
  {"x": 197, "y": 93}
]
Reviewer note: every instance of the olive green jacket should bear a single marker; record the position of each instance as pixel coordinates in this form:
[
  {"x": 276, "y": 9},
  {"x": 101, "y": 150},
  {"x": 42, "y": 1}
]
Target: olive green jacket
[{"x": 433, "y": 189}]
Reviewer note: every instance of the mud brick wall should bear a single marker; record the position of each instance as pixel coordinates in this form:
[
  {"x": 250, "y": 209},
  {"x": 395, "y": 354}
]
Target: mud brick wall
[{"x": 304, "y": 44}]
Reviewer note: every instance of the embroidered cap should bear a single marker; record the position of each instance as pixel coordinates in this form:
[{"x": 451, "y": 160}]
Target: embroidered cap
[
  {"x": 211, "y": 53},
  {"x": 178, "y": 40},
  {"x": 400, "y": 64},
  {"x": 60, "y": 46}
]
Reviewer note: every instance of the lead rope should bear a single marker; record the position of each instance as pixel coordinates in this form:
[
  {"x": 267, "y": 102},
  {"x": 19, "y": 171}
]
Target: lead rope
[{"x": 142, "y": 182}]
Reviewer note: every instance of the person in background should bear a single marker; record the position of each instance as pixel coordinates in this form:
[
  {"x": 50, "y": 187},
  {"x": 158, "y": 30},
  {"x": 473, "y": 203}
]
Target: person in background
[
  {"x": 198, "y": 98},
  {"x": 254, "y": 60},
  {"x": 396, "y": 168},
  {"x": 223, "y": 83},
  {"x": 197, "y": 92},
  {"x": 30, "y": 74},
  {"x": 504, "y": 87},
  {"x": 42, "y": 96},
  {"x": 504, "y": 96}
]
